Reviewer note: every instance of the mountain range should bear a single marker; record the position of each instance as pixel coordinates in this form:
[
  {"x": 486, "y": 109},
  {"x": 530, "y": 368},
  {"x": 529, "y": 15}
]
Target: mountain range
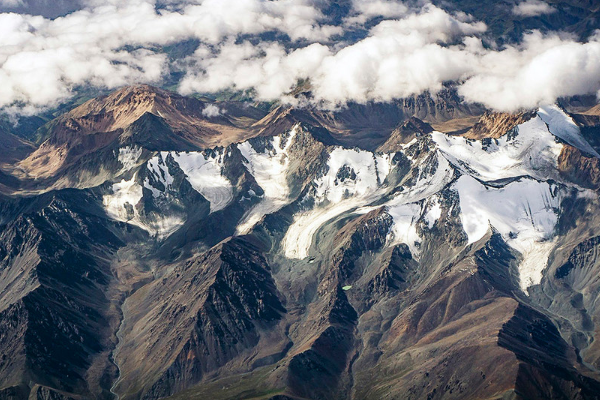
[{"x": 160, "y": 246}]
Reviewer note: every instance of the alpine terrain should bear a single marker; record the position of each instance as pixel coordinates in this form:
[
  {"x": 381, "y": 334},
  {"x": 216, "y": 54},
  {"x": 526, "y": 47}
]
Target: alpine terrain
[{"x": 299, "y": 200}]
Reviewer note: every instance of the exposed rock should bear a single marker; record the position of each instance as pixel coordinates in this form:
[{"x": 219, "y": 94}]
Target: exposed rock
[
  {"x": 45, "y": 393},
  {"x": 495, "y": 125},
  {"x": 403, "y": 134},
  {"x": 406, "y": 283},
  {"x": 215, "y": 310},
  {"x": 578, "y": 167}
]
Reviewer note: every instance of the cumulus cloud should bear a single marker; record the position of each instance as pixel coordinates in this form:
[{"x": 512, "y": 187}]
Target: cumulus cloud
[
  {"x": 532, "y": 8},
  {"x": 536, "y": 72},
  {"x": 41, "y": 60},
  {"x": 267, "y": 68},
  {"x": 112, "y": 43},
  {"x": 398, "y": 59},
  {"x": 363, "y": 10},
  {"x": 211, "y": 111}
]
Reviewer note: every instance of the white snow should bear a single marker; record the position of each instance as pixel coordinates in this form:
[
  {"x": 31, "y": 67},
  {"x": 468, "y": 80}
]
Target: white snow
[
  {"x": 535, "y": 255},
  {"x": 164, "y": 226},
  {"x": 534, "y": 151},
  {"x": 434, "y": 211},
  {"x": 523, "y": 212},
  {"x": 298, "y": 238},
  {"x": 384, "y": 165},
  {"x": 404, "y": 229},
  {"x": 337, "y": 195},
  {"x": 361, "y": 163},
  {"x": 160, "y": 171},
  {"x": 404, "y": 207},
  {"x": 427, "y": 182},
  {"x": 270, "y": 171},
  {"x": 204, "y": 171},
  {"x": 128, "y": 194},
  {"x": 562, "y": 125},
  {"x": 129, "y": 156},
  {"x": 124, "y": 193}
]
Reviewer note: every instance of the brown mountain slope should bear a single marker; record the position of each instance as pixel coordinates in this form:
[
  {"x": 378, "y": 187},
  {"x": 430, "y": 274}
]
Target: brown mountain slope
[
  {"x": 80, "y": 142},
  {"x": 495, "y": 125}
]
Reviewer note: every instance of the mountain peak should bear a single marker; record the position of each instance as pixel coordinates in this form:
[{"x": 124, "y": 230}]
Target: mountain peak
[
  {"x": 140, "y": 115},
  {"x": 126, "y": 105}
]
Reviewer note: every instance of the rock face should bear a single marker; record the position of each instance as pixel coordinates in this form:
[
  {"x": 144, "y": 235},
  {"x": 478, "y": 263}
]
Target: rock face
[
  {"x": 579, "y": 167},
  {"x": 495, "y": 125},
  {"x": 403, "y": 134},
  {"x": 217, "y": 305},
  {"x": 55, "y": 275},
  {"x": 281, "y": 264},
  {"x": 79, "y": 147}
]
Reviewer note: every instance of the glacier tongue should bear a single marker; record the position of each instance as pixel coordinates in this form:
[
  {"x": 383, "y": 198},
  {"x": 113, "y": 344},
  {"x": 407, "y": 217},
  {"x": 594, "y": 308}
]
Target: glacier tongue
[
  {"x": 299, "y": 236},
  {"x": 269, "y": 169},
  {"x": 353, "y": 179},
  {"x": 523, "y": 212}
]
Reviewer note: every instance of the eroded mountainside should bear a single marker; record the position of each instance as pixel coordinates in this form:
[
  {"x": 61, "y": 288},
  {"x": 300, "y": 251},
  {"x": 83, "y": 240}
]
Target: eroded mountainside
[{"x": 151, "y": 249}]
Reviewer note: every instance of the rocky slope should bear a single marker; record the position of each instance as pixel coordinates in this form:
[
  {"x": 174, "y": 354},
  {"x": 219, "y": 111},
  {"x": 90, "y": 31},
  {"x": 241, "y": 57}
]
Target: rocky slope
[{"x": 272, "y": 260}]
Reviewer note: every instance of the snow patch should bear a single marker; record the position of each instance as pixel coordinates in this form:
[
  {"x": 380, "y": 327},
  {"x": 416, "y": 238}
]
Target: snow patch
[
  {"x": 404, "y": 230},
  {"x": 434, "y": 212},
  {"x": 204, "y": 171},
  {"x": 530, "y": 150},
  {"x": 120, "y": 205},
  {"x": 384, "y": 166},
  {"x": 427, "y": 182},
  {"x": 350, "y": 173},
  {"x": 523, "y": 212},
  {"x": 562, "y": 125},
  {"x": 269, "y": 169},
  {"x": 129, "y": 156},
  {"x": 159, "y": 170},
  {"x": 353, "y": 180}
]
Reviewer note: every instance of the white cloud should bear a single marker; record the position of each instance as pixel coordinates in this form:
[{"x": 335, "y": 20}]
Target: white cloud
[
  {"x": 398, "y": 59},
  {"x": 11, "y": 3},
  {"x": 211, "y": 111},
  {"x": 532, "y": 8},
  {"x": 403, "y": 57},
  {"x": 112, "y": 43},
  {"x": 43, "y": 60},
  {"x": 266, "y": 68},
  {"x": 535, "y": 73},
  {"x": 363, "y": 10}
]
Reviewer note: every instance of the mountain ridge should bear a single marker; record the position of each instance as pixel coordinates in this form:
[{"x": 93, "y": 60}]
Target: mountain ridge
[{"x": 291, "y": 264}]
